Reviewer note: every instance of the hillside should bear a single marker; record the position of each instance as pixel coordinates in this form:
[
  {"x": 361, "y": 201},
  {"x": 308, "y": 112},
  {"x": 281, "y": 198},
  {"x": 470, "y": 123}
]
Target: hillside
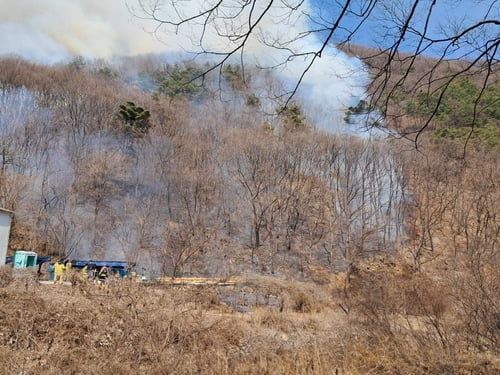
[
  {"x": 356, "y": 256},
  {"x": 105, "y": 169},
  {"x": 448, "y": 97}
]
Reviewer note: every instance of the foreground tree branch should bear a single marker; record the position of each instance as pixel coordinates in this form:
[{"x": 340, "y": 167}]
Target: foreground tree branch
[{"x": 404, "y": 31}]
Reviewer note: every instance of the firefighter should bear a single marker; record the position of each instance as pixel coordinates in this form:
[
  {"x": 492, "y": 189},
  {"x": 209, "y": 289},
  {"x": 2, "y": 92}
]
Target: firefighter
[
  {"x": 59, "y": 272},
  {"x": 69, "y": 272},
  {"x": 92, "y": 270},
  {"x": 103, "y": 274},
  {"x": 84, "y": 275}
]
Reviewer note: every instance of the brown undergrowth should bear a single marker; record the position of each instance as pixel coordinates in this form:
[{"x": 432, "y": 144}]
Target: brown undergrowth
[{"x": 131, "y": 328}]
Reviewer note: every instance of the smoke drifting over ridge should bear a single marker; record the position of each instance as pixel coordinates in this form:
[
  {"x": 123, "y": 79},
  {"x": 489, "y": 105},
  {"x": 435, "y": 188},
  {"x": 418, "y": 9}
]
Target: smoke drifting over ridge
[
  {"x": 55, "y": 30},
  {"x": 281, "y": 41},
  {"x": 92, "y": 29}
]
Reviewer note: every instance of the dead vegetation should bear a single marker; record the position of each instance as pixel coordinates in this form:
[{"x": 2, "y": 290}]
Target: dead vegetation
[
  {"x": 387, "y": 320},
  {"x": 342, "y": 281}
]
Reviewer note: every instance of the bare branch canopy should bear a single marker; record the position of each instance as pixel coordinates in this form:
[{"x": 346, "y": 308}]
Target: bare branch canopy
[{"x": 398, "y": 32}]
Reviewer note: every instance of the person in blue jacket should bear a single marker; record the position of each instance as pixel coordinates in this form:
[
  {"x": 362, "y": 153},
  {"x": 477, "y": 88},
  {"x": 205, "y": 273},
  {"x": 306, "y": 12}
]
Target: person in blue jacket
[{"x": 50, "y": 270}]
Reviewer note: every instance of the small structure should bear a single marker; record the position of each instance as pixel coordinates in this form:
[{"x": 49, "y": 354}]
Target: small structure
[
  {"x": 5, "y": 222},
  {"x": 25, "y": 259}
]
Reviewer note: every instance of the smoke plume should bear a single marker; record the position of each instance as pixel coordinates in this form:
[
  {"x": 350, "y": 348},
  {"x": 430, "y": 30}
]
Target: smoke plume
[{"x": 53, "y": 30}]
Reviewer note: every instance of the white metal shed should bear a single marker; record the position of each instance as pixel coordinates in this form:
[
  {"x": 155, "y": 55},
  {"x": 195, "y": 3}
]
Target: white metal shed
[{"x": 5, "y": 221}]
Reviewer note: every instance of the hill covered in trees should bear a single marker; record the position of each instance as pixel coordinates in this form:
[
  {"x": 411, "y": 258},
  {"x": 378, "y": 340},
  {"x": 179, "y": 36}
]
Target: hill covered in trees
[
  {"x": 452, "y": 98},
  {"x": 152, "y": 163}
]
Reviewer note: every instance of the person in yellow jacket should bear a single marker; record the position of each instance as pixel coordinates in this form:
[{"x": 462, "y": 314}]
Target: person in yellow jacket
[
  {"x": 68, "y": 271},
  {"x": 85, "y": 274},
  {"x": 103, "y": 275},
  {"x": 59, "y": 272}
]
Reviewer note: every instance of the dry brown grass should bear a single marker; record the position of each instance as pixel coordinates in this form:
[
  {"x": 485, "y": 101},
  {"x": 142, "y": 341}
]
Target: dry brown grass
[
  {"x": 5, "y": 276},
  {"x": 131, "y": 328}
]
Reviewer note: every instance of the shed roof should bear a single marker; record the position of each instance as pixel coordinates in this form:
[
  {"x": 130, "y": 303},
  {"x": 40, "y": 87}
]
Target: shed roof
[{"x": 5, "y": 211}]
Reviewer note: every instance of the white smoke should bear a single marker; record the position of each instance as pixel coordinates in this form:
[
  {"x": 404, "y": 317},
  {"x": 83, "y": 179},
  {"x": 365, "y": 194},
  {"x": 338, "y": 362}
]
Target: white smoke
[
  {"x": 282, "y": 42},
  {"x": 53, "y": 30}
]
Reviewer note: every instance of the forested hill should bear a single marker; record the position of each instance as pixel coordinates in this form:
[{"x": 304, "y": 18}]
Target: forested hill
[
  {"x": 138, "y": 161},
  {"x": 137, "y": 164},
  {"x": 449, "y": 97},
  {"x": 363, "y": 255}
]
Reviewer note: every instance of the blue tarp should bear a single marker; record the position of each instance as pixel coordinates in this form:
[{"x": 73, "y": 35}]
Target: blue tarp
[
  {"x": 119, "y": 266},
  {"x": 41, "y": 260}
]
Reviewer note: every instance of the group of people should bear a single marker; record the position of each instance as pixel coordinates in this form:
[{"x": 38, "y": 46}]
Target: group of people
[
  {"x": 62, "y": 271},
  {"x": 99, "y": 275}
]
